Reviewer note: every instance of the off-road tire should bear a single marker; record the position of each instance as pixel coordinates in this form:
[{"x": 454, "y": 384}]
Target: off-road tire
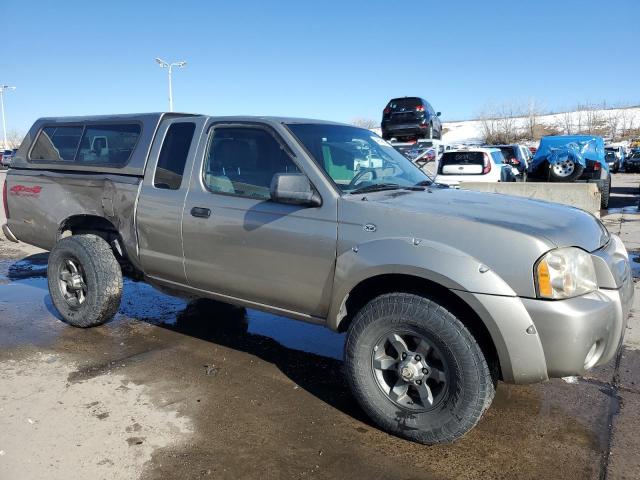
[
  {"x": 471, "y": 386},
  {"x": 605, "y": 194},
  {"x": 102, "y": 276}
]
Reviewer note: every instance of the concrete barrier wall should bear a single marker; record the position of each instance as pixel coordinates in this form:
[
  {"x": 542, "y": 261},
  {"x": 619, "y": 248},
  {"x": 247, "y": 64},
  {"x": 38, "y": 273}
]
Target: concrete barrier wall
[{"x": 582, "y": 195}]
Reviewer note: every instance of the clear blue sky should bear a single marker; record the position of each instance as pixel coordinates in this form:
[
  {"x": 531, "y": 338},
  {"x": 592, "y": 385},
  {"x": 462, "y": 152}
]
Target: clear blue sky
[{"x": 332, "y": 60}]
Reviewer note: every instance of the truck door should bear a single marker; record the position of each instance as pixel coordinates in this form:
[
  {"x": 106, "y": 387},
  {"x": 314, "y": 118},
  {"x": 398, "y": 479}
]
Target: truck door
[
  {"x": 162, "y": 196},
  {"x": 240, "y": 244}
]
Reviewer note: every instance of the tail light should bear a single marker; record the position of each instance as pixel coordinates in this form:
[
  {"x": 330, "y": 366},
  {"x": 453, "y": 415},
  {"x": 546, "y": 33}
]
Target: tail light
[
  {"x": 420, "y": 108},
  {"x": 4, "y": 199},
  {"x": 386, "y": 111},
  {"x": 596, "y": 166},
  {"x": 515, "y": 161},
  {"x": 487, "y": 164}
]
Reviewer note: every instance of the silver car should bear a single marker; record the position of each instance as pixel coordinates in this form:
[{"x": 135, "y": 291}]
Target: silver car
[{"x": 325, "y": 223}]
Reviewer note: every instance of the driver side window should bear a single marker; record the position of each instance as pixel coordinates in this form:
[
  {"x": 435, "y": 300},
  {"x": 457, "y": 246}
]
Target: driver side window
[{"x": 243, "y": 160}]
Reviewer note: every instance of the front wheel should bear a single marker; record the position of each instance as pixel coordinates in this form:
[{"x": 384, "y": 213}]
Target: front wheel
[
  {"x": 85, "y": 280},
  {"x": 416, "y": 370}
]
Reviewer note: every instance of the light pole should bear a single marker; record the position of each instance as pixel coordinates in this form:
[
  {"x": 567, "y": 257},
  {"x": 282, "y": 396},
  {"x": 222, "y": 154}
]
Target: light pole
[
  {"x": 169, "y": 66},
  {"x": 4, "y": 124}
]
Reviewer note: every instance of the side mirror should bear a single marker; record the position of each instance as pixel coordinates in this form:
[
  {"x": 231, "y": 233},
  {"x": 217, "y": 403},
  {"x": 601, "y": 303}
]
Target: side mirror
[
  {"x": 294, "y": 189},
  {"x": 438, "y": 114}
]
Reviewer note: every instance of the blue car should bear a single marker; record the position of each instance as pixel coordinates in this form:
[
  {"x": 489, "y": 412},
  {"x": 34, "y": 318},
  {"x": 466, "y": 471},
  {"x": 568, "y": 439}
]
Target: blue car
[
  {"x": 566, "y": 158},
  {"x": 571, "y": 158}
]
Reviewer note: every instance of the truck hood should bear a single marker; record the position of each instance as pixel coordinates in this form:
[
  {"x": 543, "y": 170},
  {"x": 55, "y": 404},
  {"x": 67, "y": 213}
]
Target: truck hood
[{"x": 560, "y": 225}]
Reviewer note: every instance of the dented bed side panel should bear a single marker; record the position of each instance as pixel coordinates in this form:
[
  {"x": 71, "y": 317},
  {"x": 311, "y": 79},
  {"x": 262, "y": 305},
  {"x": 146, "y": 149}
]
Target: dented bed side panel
[{"x": 41, "y": 201}]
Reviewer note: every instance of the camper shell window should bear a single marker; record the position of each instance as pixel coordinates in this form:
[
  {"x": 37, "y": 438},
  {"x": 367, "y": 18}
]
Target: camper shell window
[{"x": 86, "y": 144}]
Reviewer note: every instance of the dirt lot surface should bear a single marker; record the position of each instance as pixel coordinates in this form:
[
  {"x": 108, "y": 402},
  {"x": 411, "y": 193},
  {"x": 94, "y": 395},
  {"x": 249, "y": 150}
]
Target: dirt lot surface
[{"x": 171, "y": 389}]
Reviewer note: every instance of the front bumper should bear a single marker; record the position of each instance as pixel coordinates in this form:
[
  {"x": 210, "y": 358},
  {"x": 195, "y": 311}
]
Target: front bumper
[
  {"x": 404, "y": 129},
  {"x": 570, "y": 330},
  {"x": 540, "y": 339}
]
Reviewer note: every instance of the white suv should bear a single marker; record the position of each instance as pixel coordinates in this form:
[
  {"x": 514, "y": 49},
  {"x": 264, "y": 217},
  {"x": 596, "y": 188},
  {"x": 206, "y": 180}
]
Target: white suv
[
  {"x": 5, "y": 158},
  {"x": 473, "y": 165}
]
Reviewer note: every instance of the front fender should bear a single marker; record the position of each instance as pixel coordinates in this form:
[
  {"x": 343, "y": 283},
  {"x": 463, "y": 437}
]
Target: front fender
[{"x": 426, "y": 259}]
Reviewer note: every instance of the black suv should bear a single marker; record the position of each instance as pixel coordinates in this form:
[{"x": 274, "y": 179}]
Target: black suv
[
  {"x": 632, "y": 164},
  {"x": 410, "y": 117}
]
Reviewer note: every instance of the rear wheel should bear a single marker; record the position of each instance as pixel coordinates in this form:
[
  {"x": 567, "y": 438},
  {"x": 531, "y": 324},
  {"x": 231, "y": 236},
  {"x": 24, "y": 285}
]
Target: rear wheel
[
  {"x": 429, "y": 132},
  {"x": 85, "y": 280},
  {"x": 416, "y": 370}
]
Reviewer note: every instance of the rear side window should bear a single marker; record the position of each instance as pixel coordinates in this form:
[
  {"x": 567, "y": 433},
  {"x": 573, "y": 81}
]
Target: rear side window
[
  {"x": 430, "y": 109},
  {"x": 173, "y": 156},
  {"x": 109, "y": 145},
  {"x": 497, "y": 157},
  {"x": 57, "y": 144},
  {"x": 509, "y": 153}
]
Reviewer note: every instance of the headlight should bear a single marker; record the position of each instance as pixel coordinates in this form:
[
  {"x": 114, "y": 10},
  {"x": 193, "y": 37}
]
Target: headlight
[{"x": 565, "y": 273}]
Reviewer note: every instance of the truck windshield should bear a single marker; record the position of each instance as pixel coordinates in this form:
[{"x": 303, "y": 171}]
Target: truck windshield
[{"x": 357, "y": 159}]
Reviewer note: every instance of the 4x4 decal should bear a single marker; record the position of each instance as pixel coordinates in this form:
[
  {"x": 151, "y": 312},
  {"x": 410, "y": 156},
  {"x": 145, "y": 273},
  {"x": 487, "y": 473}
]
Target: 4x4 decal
[{"x": 24, "y": 191}]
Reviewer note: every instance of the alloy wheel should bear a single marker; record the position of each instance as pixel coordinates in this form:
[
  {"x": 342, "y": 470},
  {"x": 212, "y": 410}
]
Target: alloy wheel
[
  {"x": 72, "y": 283},
  {"x": 410, "y": 370}
]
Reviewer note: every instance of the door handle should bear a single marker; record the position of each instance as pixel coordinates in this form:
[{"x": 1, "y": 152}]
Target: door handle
[{"x": 200, "y": 212}]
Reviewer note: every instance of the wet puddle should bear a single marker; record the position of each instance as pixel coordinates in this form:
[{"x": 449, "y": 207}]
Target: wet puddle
[
  {"x": 627, "y": 209},
  {"x": 634, "y": 258},
  {"x": 23, "y": 287}
]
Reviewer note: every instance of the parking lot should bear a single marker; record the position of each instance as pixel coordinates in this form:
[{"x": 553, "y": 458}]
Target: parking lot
[{"x": 172, "y": 389}]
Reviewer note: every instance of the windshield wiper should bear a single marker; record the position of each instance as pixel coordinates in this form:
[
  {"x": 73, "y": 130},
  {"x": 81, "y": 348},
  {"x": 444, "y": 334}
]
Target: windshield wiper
[
  {"x": 375, "y": 187},
  {"x": 424, "y": 183}
]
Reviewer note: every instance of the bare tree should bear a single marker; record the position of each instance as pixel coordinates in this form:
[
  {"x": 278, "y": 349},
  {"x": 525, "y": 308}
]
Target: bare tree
[
  {"x": 578, "y": 119},
  {"x": 14, "y": 139},
  {"x": 566, "y": 123},
  {"x": 365, "y": 123},
  {"x": 593, "y": 119},
  {"x": 532, "y": 123},
  {"x": 612, "y": 123},
  {"x": 499, "y": 124},
  {"x": 627, "y": 122}
]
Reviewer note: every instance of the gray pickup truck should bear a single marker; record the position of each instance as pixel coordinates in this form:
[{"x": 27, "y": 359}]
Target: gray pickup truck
[{"x": 442, "y": 292}]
